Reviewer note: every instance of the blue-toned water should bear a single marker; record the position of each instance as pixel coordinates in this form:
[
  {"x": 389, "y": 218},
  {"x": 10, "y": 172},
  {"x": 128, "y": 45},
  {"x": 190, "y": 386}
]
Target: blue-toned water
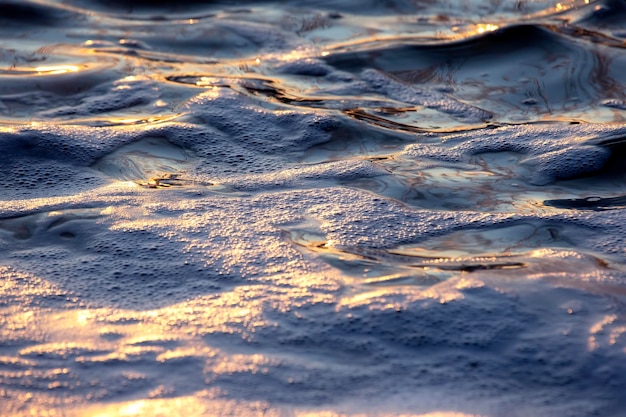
[{"x": 313, "y": 208}]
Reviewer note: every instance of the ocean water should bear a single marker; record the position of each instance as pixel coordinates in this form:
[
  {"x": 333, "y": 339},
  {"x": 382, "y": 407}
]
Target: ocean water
[{"x": 313, "y": 208}]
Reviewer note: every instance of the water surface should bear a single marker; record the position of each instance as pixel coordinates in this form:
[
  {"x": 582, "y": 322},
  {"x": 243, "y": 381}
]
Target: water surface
[{"x": 312, "y": 208}]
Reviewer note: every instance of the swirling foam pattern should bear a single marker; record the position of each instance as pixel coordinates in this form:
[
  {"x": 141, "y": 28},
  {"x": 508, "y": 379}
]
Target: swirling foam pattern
[{"x": 313, "y": 208}]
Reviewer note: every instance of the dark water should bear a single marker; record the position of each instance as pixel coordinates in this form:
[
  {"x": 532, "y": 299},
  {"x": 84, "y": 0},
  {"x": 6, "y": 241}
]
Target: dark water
[{"x": 312, "y": 208}]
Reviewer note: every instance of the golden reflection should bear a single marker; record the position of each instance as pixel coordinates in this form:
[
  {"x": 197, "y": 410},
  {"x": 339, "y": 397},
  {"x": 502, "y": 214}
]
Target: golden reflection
[
  {"x": 203, "y": 403},
  {"x": 208, "y": 82},
  {"x": 616, "y": 334},
  {"x": 399, "y": 298},
  {"x": 597, "y": 330},
  {"x": 292, "y": 56},
  {"x": 253, "y": 364},
  {"x": 56, "y": 69},
  {"x": 179, "y": 333},
  {"x": 187, "y": 352},
  {"x": 171, "y": 333},
  {"x": 482, "y": 28},
  {"x": 137, "y": 407},
  {"x": 83, "y": 317},
  {"x": 9, "y": 360},
  {"x": 125, "y": 121}
]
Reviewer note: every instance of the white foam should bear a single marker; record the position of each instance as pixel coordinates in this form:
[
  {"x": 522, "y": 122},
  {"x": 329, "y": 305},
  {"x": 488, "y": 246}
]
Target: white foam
[{"x": 139, "y": 255}]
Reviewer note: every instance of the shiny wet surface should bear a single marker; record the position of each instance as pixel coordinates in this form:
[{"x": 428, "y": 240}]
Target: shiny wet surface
[{"x": 312, "y": 208}]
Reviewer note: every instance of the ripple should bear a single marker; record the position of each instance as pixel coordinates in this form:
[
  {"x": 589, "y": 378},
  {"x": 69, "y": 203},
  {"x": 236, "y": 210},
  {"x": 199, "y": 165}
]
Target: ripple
[
  {"x": 151, "y": 162},
  {"x": 534, "y": 72}
]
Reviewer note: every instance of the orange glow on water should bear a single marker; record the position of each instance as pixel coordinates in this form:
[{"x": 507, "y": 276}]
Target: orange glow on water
[
  {"x": 56, "y": 69},
  {"x": 482, "y": 28}
]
